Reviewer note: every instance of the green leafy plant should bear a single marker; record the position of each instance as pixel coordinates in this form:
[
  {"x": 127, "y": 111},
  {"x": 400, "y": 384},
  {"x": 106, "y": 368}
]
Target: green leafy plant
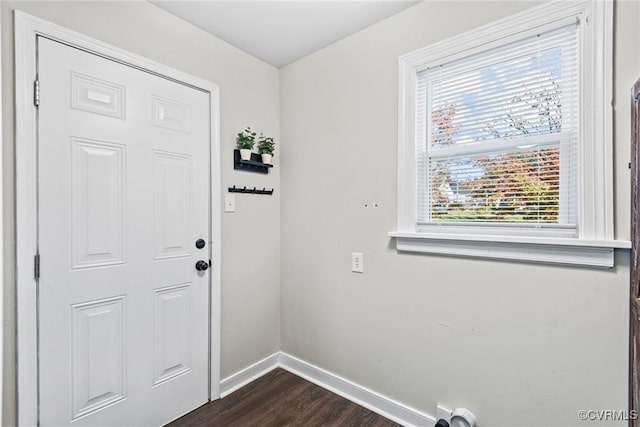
[
  {"x": 246, "y": 139},
  {"x": 266, "y": 145}
]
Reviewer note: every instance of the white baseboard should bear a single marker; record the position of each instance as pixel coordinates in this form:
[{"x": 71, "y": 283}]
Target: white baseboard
[
  {"x": 249, "y": 374},
  {"x": 385, "y": 406}
]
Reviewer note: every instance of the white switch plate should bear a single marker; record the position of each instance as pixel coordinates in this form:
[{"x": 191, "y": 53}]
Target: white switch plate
[
  {"x": 356, "y": 262},
  {"x": 229, "y": 202}
]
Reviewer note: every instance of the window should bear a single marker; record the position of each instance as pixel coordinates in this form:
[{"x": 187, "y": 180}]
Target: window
[
  {"x": 498, "y": 135},
  {"x": 505, "y": 140}
]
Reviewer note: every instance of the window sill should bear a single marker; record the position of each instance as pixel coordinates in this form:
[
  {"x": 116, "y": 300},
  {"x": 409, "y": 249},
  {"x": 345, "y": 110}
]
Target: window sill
[{"x": 593, "y": 253}]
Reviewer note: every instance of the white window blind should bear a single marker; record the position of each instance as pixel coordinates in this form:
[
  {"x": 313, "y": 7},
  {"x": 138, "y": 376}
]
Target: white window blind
[{"x": 497, "y": 136}]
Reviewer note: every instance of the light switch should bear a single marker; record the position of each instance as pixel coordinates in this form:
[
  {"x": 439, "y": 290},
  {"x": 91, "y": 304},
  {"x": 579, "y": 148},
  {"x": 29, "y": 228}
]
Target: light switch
[{"x": 229, "y": 202}]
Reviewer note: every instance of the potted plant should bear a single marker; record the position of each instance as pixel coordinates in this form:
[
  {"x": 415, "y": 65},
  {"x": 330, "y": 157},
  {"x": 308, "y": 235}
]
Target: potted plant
[
  {"x": 246, "y": 141},
  {"x": 266, "y": 147}
]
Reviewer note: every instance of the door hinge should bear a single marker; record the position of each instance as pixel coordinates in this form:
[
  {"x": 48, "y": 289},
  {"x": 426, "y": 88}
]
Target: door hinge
[
  {"x": 36, "y": 266},
  {"x": 36, "y": 93}
]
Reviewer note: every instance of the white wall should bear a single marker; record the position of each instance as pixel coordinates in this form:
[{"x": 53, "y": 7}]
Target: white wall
[
  {"x": 519, "y": 344},
  {"x": 249, "y": 97}
]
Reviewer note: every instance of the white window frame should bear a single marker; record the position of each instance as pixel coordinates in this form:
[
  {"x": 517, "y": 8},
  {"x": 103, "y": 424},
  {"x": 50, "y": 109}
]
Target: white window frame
[{"x": 594, "y": 243}]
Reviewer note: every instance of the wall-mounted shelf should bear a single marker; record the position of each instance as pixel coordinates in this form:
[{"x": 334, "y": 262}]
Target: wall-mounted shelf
[{"x": 253, "y": 165}]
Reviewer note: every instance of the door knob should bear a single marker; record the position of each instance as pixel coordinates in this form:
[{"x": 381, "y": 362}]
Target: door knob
[{"x": 202, "y": 265}]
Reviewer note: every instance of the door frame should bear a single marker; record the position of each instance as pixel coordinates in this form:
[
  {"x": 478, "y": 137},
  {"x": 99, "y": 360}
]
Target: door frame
[
  {"x": 27, "y": 29},
  {"x": 634, "y": 288}
]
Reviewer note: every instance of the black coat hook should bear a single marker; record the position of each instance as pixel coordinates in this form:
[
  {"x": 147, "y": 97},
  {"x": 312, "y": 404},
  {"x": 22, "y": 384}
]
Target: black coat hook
[{"x": 246, "y": 190}]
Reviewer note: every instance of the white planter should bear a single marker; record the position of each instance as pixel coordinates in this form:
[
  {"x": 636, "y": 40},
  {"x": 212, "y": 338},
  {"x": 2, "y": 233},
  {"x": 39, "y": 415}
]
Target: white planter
[
  {"x": 266, "y": 158},
  {"x": 245, "y": 154}
]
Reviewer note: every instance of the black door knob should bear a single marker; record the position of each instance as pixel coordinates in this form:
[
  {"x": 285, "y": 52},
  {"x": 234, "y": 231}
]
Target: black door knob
[{"x": 202, "y": 265}]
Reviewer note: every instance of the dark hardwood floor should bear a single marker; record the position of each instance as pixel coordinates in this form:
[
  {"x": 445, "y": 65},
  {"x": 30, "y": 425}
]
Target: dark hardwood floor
[{"x": 282, "y": 399}]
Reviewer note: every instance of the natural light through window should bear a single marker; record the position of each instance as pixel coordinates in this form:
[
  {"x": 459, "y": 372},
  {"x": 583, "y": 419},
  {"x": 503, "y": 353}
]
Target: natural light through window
[
  {"x": 500, "y": 134},
  {"x": 505, "y": 142}
]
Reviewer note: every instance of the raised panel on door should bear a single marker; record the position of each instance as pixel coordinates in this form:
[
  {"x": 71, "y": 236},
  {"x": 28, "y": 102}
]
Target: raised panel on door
[
  {"x": 171, "y": 204},
  {"x": 171, "y": 114},
  {"x": 171, "y": 332},
  {"x": 97, "y": 203},
  {"x": 98, "y": 96},
  {"x": 98, "y": 355}
]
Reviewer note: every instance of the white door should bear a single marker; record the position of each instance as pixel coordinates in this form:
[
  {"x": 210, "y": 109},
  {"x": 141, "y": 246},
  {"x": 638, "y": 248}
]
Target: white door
[{"x": 123, "y": 176}]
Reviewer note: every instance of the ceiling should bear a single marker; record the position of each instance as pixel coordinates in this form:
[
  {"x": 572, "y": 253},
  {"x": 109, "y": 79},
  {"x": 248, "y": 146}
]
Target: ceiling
[{"x": 280, "y": 32}]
